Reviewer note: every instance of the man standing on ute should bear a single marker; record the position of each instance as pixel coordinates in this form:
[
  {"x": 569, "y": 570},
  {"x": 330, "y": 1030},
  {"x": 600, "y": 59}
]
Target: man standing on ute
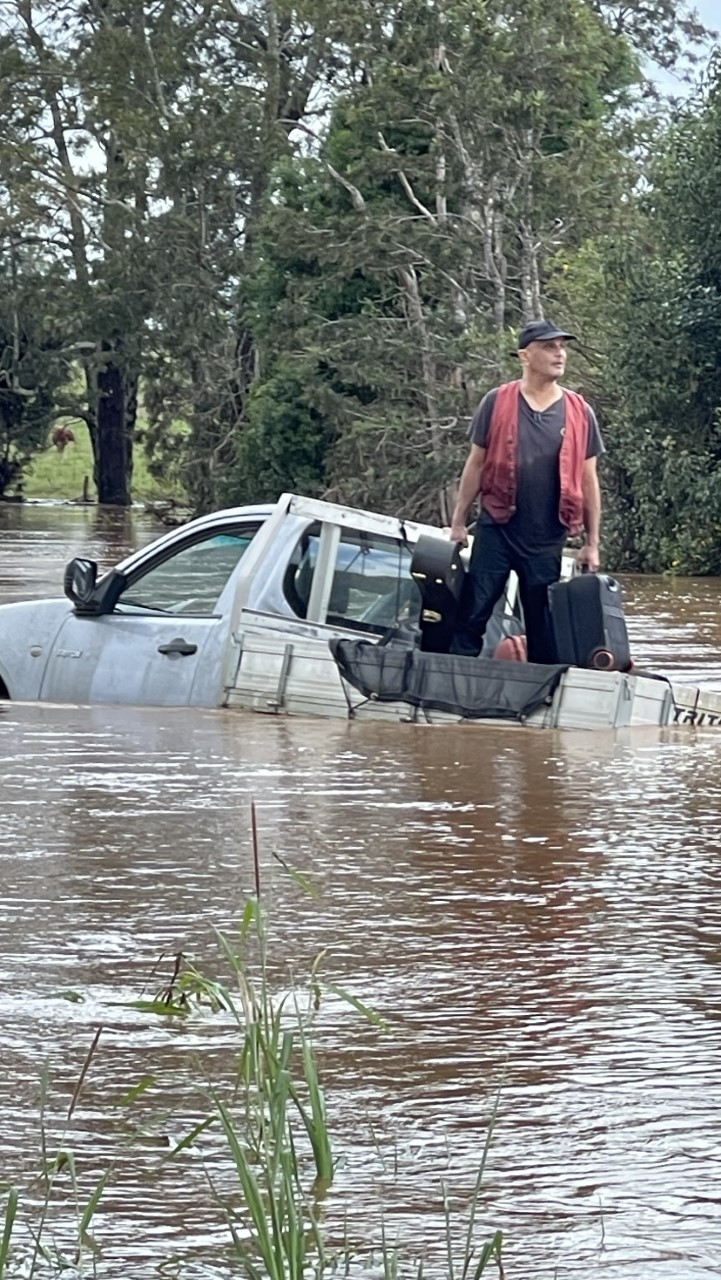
[{"x": 533, "y": 465}]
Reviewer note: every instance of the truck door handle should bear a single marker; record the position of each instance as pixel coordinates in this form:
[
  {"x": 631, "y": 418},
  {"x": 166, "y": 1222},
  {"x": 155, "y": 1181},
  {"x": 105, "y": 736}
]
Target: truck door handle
[{"x": 180, "y": 647}]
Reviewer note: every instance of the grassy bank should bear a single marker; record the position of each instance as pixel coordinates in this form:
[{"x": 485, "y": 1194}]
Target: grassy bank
[{"x": 62, "y": 475}]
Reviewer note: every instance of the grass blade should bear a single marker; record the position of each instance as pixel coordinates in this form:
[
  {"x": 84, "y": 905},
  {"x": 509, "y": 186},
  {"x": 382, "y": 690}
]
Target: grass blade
[
  {"x": 367, "y": 1012},
  {"x": 11, "y": 1209},
  {"x": 477, "y": 1188},
  {"x": 302, "y": 881},
  {"x": 491, "y": 1249},
  {"x": 84, "y": 1072},
  {"x": 136, "y": 1091},
  {"x": 251, "y": 1194},
  {"x": 190, "y": 1137},
  {"x": 93, "y": 1203}
]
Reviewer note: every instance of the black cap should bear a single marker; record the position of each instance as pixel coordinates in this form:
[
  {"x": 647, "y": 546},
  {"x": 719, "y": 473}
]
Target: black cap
[{"x": 540, "y": 331}]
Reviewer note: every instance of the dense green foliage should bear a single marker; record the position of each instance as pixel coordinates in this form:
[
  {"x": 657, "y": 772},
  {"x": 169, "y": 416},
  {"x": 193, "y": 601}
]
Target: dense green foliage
[
  {"x": 308, "y": 233},
  {"x": 665, "y": 349},
  {"x": 32, "y": 372}
]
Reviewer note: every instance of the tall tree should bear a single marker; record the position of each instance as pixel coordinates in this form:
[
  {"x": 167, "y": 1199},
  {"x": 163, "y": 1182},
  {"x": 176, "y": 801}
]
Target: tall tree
[
  {"x": 80, "y": 205},
  {"x": 260, "y": 73},
  {"x": 475, "y": 141}
]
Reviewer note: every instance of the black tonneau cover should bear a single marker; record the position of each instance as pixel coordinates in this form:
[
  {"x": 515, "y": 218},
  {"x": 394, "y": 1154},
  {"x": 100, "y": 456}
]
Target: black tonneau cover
[{"x": 471, "y": 688}]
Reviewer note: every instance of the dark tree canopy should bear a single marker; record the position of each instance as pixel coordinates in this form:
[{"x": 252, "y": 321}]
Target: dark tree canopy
[{"x": 288, "y": 246}]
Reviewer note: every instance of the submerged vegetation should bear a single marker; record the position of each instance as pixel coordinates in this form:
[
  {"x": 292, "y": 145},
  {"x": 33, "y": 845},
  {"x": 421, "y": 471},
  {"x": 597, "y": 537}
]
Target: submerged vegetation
[{"x": 263, "y": 1137}]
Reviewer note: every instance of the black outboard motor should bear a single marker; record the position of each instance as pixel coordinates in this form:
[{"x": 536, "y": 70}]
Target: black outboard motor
[{"x": 439, "y": 571}]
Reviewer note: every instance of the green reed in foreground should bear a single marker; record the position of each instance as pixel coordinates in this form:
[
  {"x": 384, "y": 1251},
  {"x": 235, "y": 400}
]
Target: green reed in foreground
[
  {"x": 272, "y": 1115},
  {"x": 57, "y": 1179},
  {"x": 278, "y": 1100}
]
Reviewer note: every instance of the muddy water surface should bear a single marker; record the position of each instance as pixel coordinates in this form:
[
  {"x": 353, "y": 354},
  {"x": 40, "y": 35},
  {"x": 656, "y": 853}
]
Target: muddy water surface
[{"x": 537, "y": 917}]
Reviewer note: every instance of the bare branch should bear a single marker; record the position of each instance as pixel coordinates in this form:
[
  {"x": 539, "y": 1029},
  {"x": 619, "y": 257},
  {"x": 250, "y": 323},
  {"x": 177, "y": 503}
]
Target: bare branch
[
  {"x": 71, "y": 411},
  {"x": 355, "y": 195},
  {"x": 417, "y": 204}
]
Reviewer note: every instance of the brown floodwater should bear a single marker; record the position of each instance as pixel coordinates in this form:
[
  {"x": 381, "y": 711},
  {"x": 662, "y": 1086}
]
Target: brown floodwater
[{"x": 536, "y": 917}]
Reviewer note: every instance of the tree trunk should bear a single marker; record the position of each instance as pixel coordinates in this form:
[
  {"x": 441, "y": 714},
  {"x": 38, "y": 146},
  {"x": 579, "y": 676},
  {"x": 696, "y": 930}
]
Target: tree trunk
[
  {"x": 417, "y": 321},
  {"x": 531, "y": 304},
  {"x": 113, "y": 447}
]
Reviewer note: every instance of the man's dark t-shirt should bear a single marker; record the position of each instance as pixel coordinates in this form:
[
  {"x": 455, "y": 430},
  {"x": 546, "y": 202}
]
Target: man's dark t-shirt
[{"x": 535, "y": 528}]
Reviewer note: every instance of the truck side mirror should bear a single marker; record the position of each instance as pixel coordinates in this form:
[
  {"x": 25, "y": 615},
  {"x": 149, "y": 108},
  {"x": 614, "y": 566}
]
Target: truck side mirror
[{"x": 79, "y": 583}]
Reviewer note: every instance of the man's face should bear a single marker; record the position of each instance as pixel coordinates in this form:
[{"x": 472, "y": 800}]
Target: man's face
[{"x": 546, "y": 358}]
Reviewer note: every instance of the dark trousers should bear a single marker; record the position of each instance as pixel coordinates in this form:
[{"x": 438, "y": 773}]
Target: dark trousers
[{"x": 492, "y": 559}]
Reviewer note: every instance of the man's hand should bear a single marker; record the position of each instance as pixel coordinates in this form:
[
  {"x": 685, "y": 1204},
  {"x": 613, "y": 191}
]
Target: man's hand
[
  {"x": 589, "y": 556},
  {"x": 458, "y": 533}
]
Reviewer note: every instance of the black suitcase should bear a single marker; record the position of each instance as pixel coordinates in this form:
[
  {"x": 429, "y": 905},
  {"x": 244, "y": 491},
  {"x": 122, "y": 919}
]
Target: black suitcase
[
  {"x": 439, "y": 571},
  {"x": 587, "y": 623}
]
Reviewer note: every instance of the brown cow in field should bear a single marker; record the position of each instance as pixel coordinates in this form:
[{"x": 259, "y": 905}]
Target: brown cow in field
[{"x": 62, "y": 436}]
